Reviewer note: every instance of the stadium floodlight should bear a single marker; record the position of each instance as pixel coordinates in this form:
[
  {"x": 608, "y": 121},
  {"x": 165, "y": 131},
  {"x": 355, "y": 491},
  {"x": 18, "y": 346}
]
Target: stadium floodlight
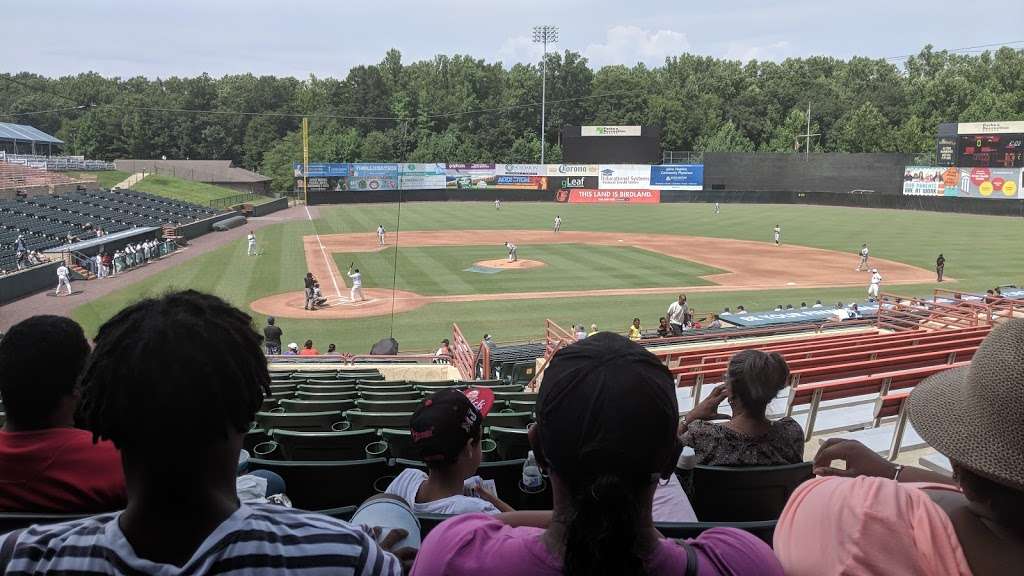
[{"x": 544, "y": 35}]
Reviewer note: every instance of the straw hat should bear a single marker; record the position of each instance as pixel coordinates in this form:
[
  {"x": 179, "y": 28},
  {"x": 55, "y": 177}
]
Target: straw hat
[{"x": 975, "y": 415}]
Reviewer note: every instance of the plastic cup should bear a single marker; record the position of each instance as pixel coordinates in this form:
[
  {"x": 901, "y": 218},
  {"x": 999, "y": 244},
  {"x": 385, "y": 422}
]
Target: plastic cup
[{"x": 388, "y": 512}]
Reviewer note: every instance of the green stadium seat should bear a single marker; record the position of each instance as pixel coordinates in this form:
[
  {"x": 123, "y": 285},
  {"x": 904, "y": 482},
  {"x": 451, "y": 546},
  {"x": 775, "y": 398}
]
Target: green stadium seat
[
  {"x": 513, "y": 443},
  {"x": 486, "y": 383},
  {"x": 326, "y": 388},
  {"x": 388, "y": 405},
  {"x": 324, "y": 375},
  {"x": 745, "y": 494},
  {"x": 302, "y": 405},
  {"x": 508, "y": 419},
  {"x": 369, "y": 376},
  {"x": 282, "y": 388},
  {"x": 428, "y": 387},
  {"x": 317, "y": 485},
  {"x": 522, "y": 372},
  {"x": 280, "y": 375},
  {"x": 348, "y": 445},
  {"x": 253, "y": 437},
  {"x": 512, "y": 388},
  {"x": 328, "y": 382},
  {"x": 399, "y": 443},
  {"x": 364, "y": 387},
  {"x": 515, "y": 396},
  {"x": 299, "y": 422},
  {"x": 303, "y": 395},
  {"x": 522, "y": 405},
  {"x": 362, "y": 420},
  {"x": 385, "y": 396},
  {"x": 269, "y": 403}
]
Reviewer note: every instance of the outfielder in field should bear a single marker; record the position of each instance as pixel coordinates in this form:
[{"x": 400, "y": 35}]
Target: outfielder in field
[
  {"x": 718, "y": 209},
  {"x": 497, "y": 204},
  {"x": 558, "y": 223},
  {"x": 863, "y": 265},
  {"x": 380, "y": 234},
  {"x": 940, "y": 267},
  {"x": 777, "y": 234},
  {"x": 876, "y": 279},
  {"x": 252, "y": 243},
  {"x": 63, "y": 279},
  {"x": 356, "y": 293},
  {"x": 513, "y": 255}
]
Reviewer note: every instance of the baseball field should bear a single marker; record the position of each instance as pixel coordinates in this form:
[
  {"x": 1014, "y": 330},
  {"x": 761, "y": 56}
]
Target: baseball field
[{"x": 607, "y": 265}]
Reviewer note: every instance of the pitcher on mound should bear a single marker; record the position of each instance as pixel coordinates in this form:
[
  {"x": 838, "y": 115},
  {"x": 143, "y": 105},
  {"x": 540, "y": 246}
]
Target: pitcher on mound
[{"x": 356, "y": 294}]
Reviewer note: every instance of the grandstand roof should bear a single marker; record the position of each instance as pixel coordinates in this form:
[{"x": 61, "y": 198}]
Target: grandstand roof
[{"x": 25, "y": 134}]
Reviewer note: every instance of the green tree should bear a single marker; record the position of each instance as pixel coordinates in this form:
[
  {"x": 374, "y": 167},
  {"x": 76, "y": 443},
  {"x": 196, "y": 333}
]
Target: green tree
[
  {"x": 863, "y": 130},
  {"x": 726, "y": 139}
]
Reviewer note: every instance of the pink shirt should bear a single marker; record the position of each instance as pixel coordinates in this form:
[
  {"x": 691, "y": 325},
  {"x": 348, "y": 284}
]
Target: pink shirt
[
  {"x": 478, "y": 544},
  {"x": 866, "y": 525}
]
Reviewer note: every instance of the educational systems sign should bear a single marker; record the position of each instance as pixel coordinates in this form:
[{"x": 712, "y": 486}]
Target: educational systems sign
[
  {"x": 625, "y": 177},
  {"x": 610, "y": 131}
]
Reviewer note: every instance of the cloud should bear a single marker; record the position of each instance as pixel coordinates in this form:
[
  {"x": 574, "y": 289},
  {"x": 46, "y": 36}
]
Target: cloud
[
  {"x": 744, "y": 52},
  {"x": 631, "y": 44},
  {"x": 521, "y": 49}
]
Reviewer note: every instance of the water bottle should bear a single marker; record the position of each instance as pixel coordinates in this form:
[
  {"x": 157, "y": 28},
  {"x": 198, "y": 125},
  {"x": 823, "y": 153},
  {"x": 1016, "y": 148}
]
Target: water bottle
[
  {"x": 532, "y": 479},
  {"x": 684, "y": 470}
]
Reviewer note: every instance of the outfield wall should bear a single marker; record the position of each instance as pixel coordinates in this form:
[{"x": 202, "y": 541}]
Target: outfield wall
[{"x": 890, "y": 201}]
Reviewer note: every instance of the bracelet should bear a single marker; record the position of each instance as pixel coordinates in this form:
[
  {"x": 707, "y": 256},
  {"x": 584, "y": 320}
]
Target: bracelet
[{"x": 896, "y": 476}]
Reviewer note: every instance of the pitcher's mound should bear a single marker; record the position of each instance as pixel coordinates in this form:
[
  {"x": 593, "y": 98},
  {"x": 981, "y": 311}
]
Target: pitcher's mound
[{"x": 506, "y": 265}]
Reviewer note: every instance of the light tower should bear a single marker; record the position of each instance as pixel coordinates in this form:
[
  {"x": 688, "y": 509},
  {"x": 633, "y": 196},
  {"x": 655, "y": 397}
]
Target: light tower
[{"x": 544, "y": 35}]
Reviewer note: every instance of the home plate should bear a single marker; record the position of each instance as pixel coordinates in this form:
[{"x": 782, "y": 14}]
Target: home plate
[
  {"x": 620, "y": 240},
  {"x": 790, "y": 283}
]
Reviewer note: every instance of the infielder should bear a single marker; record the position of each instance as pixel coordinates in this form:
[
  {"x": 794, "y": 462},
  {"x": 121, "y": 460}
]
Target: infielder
[
  {"x": 63, "y": 279},
  {"x": 497, "y": 204},
  {"x": 558, "y": 223},
  {"x": 863, "y": 258},
  {"x": 777, "y": 234},
  {"x": 512, "y": 255},
  {"x": 357, "y": 285},
  {"x": 380, "y": 234},
  {"x": 252, "y": 243},
  {"x": 876, "y": 279}
]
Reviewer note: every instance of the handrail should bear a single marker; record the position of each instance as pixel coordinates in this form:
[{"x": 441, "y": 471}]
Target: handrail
[
  {"x": 348, "y": 359},
  {"x": 462, "y": 355},
  {"x": 484, "y": 354},
  {"x": 555, "y": 338}
]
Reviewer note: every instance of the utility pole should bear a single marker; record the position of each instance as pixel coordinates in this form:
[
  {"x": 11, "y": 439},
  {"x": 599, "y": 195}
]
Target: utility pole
[
  {"x": 544, "y": 35},
  {"x": 807, "y": 135},
  {"x": 305, "y": 160}
]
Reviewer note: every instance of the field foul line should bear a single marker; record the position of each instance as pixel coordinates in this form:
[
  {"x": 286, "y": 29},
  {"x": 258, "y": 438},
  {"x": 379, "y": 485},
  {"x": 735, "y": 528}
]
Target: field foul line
[{"x": 323, "y": 252}]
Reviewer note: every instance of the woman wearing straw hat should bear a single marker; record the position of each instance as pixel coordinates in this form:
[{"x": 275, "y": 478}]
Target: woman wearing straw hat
[{"x": 878, "y": 517}]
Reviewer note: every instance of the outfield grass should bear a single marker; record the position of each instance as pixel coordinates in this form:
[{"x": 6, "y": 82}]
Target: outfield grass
[
  {"x": 981, "y": 252},
  {"x": 183, "y": 190},
  {"x": 434, "y": 270},
  {"x": 106, "y": 178}
]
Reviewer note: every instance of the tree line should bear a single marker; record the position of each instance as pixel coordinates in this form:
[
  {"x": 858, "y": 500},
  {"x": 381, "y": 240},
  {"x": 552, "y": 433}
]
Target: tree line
[{"x": 464, "y": 109}]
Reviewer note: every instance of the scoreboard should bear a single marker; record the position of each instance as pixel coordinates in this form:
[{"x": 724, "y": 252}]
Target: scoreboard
[
  {"x": 981, "y": 145},
  {"x": 991, "y": 150}
]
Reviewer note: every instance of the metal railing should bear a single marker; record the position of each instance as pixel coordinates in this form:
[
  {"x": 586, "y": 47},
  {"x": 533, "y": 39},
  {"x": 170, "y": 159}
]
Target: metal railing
[
  {"x": 228, "y": 201},
  {"x": 681, "y": 157}
]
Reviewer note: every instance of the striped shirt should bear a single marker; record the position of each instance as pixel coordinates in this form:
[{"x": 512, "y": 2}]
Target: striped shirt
[{"x": 256, "y": 539}]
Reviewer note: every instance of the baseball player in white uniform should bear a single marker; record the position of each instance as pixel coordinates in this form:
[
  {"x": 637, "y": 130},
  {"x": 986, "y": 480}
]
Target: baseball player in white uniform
[
  {"x": 777, "y": 234},
  {"x": 863, "y": 258},
  {"x": 380, "y": 234},
  {"x": 876, "y": 279},
  {"x": 356, "y": 294},
  {"x": 512, "y": 256},
  {"x": 252, "y": 243},
  {"x": 558, "y": 223},
  {"x": 497, "y": 203},
  {"x": 718, "y": 209},
  {"x": 63, "y": 279}
]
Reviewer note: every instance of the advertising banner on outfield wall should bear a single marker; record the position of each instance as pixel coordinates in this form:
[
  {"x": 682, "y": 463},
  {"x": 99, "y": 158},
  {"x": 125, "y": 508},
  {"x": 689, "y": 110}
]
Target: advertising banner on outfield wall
[
  {"x": 520, "y": 170},
  {"x": 576, "y": 182},
  {"x": 373, "y": 177},
  {"x": 321, "y": 169},
  {"x": 422, "y": 176},
  {"x": 468, "y": 175},
  {"x": 925, "y": 180},
  {"x": 608, "y": 196},
  {"x": 677, "y": 177},
  {"x": 991, "y": 183},
  {"x": 625, "y": 177},
  {"x": 573, "y": 169},
  {"x": 324, "y": 183}
]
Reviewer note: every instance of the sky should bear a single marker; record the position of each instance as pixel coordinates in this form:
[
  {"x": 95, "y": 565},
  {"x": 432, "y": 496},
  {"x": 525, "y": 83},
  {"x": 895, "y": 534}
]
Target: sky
[{"x": 327, "y": 37}]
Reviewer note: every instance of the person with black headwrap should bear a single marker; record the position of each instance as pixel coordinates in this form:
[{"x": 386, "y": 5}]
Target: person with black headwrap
[{"x": 605, "y": 434}]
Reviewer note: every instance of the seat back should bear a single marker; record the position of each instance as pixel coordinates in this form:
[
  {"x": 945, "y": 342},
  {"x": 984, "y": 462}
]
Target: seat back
[
  {"x": 388, "y": 405},
  {"x": 508, "y": 419},
  {"x": 303, "y": 405},
  {"x": 299, "y": 422},
  {"x": 520, "y": 396},
  {"x": 385, "y": 396},
  {"x": 364, "y": 386},
  {"x": 326, "y": 388},
  {"x": 327, "y": 484},
  {"x": 513, "y": 443},
  {"x": 362, "y": 420},
  {"x": 303, "y": 395},
  {"x": 399, "y": 443},
  {"x": 745, "y": 494},
  {"x": 349, "y": 445}
]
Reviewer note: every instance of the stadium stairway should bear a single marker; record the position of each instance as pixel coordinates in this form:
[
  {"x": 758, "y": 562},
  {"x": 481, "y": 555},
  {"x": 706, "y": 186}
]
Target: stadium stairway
[{"x": 131, "y": 180}]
